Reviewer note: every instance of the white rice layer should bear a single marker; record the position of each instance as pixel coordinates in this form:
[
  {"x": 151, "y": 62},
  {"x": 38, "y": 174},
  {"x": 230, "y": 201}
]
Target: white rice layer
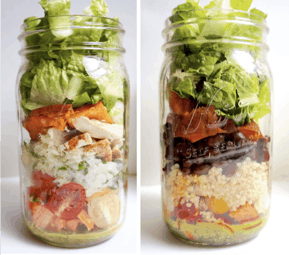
[{"x": 94, "y": 175}]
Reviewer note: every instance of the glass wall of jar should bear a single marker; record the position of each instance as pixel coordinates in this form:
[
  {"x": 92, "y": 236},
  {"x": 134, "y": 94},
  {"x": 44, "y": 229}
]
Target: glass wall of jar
[
  {"x": 73, "y": 103},
  {"x": 215, "y": 128}
]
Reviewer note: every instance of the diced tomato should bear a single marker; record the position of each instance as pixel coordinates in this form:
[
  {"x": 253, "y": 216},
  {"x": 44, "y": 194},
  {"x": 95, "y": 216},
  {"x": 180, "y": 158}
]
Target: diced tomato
[
  {"x": 56, "y": 224},
  {"x": 72, "y": 224},
  {"x": 42, "y": 180},
  {"x": 32, "y": 206},
  {"x": 42, "y": 217},
  {"x": 43, "y": 187},
  {"x": 68, "y": 201}
]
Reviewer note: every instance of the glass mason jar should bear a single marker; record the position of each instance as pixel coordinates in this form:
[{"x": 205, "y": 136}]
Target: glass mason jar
[
  {"x": 73, "y": 110},
  {"x": 215, "y": 124}
]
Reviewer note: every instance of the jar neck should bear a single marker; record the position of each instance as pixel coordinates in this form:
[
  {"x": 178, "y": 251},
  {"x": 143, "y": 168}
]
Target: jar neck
[{"x": 215, "y": 26}]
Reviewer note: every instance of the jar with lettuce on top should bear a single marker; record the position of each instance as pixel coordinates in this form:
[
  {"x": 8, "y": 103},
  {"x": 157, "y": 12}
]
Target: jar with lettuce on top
[
  {"x": 73, "y": 112},
  {"x": 215, "y": 123}
]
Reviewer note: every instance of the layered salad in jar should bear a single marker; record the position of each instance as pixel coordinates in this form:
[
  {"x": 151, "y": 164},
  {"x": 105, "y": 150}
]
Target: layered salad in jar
[
  {"x": 74, "y": 161},
  {"x": 215, "y": 155}
]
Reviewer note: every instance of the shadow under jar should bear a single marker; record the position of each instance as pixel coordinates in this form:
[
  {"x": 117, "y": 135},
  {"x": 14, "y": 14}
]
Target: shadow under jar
[
  {"x": 73, "y": 111},
  {"x": 216, "y": 136}
]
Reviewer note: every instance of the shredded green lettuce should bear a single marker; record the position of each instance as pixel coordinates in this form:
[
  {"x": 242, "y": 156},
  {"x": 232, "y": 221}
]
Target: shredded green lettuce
[
  {"x": 58, "y": 72},
  {"x": 228, "y": 72}
]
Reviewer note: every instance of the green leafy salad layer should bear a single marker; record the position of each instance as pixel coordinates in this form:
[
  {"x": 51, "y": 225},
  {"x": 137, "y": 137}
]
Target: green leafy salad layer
[
  {"x": 217, "y": 57},
  {"x": 64, "y": 66}
]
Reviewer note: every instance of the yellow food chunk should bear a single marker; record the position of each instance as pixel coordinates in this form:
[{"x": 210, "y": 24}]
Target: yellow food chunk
[{"x": 218, "y": 206}]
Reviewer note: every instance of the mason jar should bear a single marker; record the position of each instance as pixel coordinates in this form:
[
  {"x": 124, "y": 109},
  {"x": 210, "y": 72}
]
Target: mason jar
[
  {"x": 73, "y": 112},
  {"x": 215, "y": 124}
]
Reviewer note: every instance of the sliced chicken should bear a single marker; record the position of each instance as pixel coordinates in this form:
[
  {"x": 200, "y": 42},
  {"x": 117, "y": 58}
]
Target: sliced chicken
[
  {"x": 100, "y": 149},
  {"x": 116, "y": 154},
  {"x": 91, "y": 111},
  {"x": 98, "y": 129},
  {"x": 77, "y": 142},
  {"x": 57, "y": 136}
]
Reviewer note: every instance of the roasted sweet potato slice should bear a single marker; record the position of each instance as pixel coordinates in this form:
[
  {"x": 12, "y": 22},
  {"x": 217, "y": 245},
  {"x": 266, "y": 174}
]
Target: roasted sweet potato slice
[
  {"x": 52, "y": 116},
  {"x": 197, "y": 124},
  {"x": 245, "y": 213},
  {"x": 251, "y": 130},
  {"x": 180, "y": 105},
  {"x": 91, "y": 111}
]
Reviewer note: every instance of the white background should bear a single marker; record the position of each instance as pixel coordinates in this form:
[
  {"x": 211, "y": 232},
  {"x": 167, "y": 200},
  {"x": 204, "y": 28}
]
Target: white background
[
  {"x": 13, "y": 12},
  {"x": 154, "y": 14}
]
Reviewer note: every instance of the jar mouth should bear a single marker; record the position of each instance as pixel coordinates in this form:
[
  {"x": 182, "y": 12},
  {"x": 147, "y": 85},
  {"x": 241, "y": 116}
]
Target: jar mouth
[
  {"x": 114, "y": 22},
  {"x": 72, "y": 22}
]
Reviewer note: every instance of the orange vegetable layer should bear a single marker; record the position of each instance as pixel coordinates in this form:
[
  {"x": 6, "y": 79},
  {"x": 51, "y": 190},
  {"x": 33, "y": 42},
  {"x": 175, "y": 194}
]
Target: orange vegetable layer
[
  {"x": 52, "y": 116},
  {"x": 195, "y": 124},
  {"x": 59, "y": 116}
]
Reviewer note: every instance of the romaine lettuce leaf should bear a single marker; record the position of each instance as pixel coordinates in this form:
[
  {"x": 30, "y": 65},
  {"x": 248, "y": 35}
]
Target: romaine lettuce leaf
[
  {"x": 50, "y": 83},
  {"x": 111, "y": 87},
  {"x": 243, "y": 5},
  {"x": 99, "y": 8},
  {"x": 221, "y": 94},
  {"x": 56, "y": 10},
  {"x": 259, "y": 13}
]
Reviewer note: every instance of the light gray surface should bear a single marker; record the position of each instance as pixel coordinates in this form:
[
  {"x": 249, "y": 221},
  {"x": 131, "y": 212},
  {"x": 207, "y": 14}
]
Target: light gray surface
[
  {"x": 153, "y": 17},
  {"x": 156, "y": 239},
  {"x": 15, "y": 238},
  {"x": 12, "y": 15}
]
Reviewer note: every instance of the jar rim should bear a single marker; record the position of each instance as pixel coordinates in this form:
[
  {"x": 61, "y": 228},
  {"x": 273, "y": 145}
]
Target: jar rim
[{"x": 112, "y": 24}]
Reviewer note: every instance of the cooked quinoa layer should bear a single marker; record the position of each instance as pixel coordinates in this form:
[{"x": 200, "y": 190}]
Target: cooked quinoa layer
[{"x": 249, "y": 185}]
